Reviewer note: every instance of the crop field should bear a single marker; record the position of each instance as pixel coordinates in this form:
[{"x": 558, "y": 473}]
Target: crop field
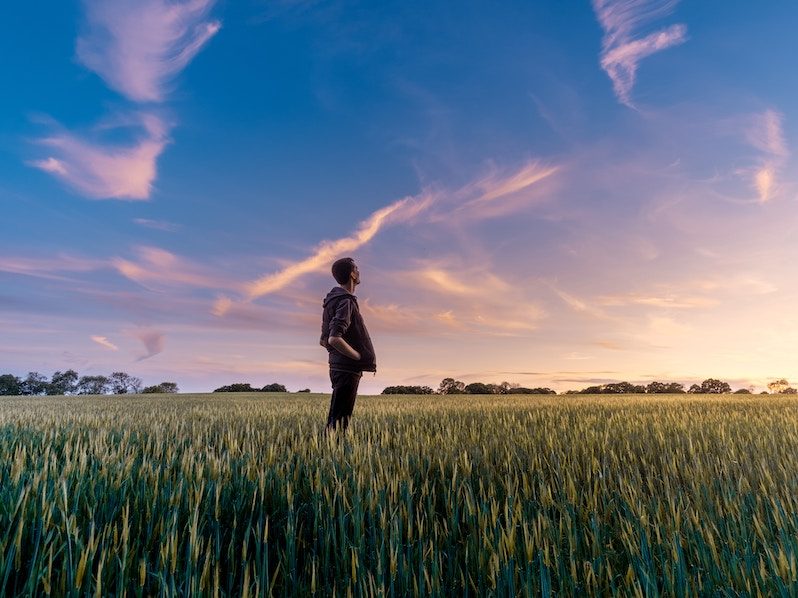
[{"x": 454, "y": 495}]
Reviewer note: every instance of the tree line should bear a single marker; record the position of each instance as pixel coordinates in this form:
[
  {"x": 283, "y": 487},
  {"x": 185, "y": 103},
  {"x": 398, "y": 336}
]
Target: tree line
[
  {"x": 450, "y": 386},
  {"x": 70, "y": 382},
  {"x": 247, "y": 387}
]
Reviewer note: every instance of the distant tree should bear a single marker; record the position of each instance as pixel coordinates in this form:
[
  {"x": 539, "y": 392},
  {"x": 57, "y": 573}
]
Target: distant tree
[
  {"x": 778, "y": 386},
  {"x": 93, "y": 385},
  {"x": 592, "y": 390},
  {"x": 664, "y": 388},
  {"x": 10, "y": 385},
  {"x": 714, "y": 386},
  {"x": 789, "y": 391},
  {"x": 35, "y": 384},
  {"x": 622, "y": 388},
  {"x": 478, "y": 388},
  {"x": 304, "y": 390},
  {"x": 742, "y": 391},
  {"x": 63, "y": 383},
  {"x": 407, "y": 390},
  {"x": 694, "y": 389},
  {"x": 520, "y": 390},
  {"x": 274, "y": 387},
  {"x": 162, "y": 388},
  {"x": 236, "y": 387},
  {"x": 450, "y": 386},
  {"x": 123, "y": 383},
  {"x": 614, "y": 388}
]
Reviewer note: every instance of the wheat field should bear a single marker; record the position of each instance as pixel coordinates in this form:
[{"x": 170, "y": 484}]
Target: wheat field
[{"x": 228, "y": 495}]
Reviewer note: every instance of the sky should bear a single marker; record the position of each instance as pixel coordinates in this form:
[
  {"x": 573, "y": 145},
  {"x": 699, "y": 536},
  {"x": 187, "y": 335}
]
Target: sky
[{"x": 548, "y": 193}]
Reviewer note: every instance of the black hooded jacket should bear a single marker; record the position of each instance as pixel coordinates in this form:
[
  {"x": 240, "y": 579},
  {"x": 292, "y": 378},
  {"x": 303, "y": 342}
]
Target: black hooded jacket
[{"x": 341, "y": 317}]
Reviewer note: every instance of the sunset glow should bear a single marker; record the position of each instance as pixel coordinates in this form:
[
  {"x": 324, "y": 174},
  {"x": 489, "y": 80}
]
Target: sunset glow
[{"x": 544, "y": 195}]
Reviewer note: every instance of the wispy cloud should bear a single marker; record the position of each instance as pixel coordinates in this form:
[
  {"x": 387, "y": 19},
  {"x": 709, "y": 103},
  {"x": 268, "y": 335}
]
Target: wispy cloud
[
  {"x": 428, "y": 207},
  {"x": 153, "y": 342},
  {"x": 575, "y": 303},
  {"x": 496, "y": 186},
  {"x": 158, "y": 266},
  {"x": 765, "y": 133},
  {"x": 621, "y": 50},
  {"x": 139, "y": 46},
  {"x": 108, "y": 170},
  {"x": 157, "y": 224},
  {"x": 669, "y": 301},
  {"x": 104, "y": 342},
  {"x": 500, "y": 192},
  {"x": 49, "y": 267},
  {"x": 399, "y": 211}
]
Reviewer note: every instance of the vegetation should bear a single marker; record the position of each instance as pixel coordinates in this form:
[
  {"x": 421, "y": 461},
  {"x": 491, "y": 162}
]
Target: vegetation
[
  {"x": 407, "y": 390},
  {"x": 247, "y": 387},
  {"x": 162, "y": 388},
  {"x": 71, "y": 383},
  {"x": 274, "y": 387},
  {"x": 500, "y": 495}
]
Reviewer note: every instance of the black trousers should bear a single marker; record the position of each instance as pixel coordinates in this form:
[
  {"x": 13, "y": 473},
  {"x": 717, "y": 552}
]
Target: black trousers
[{"x": 344, "y": 392}]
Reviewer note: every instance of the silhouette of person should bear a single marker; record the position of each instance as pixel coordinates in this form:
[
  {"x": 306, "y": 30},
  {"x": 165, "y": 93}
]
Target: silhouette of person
[{"x": 344, "y": 335}]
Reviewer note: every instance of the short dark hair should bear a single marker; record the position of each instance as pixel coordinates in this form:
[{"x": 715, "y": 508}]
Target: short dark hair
[{"x": 342, "y": 269}]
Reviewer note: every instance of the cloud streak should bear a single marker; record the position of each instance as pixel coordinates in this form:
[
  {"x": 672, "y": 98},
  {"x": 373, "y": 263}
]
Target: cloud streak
[
  {"x": 157, "y": 224},
  {"x": 621, "y": 50},
  {"x": 766, "y": 134},
  {"x": 104, "y": 342},
  {"x": 139, "y": 46},
  {"x": 47, "y": 267},
  {"x": 480, "y": 198},
  {"x": 399, "y": 211},
  {"x": 103, "y": 170},
  {"x": 161, "y": 267}
]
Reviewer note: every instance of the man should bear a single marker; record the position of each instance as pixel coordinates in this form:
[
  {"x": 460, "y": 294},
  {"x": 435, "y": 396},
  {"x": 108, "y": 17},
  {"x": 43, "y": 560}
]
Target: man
[{"x": 344, "y": 335}]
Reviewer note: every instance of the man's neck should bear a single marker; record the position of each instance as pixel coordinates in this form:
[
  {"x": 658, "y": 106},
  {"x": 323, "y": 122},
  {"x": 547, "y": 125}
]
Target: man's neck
[{"x": 348, "y": 287}]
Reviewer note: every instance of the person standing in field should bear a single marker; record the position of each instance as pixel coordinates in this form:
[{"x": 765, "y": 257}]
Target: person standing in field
[{"x": 344, "y": 335}]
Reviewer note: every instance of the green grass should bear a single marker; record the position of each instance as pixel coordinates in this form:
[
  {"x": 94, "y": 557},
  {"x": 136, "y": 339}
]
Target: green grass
[{"x": 244, "y": 495}]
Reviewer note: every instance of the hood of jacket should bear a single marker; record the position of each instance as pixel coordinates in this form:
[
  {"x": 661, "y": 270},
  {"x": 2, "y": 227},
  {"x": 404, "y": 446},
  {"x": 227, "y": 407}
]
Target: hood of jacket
[{"x": 335, "y": 294}]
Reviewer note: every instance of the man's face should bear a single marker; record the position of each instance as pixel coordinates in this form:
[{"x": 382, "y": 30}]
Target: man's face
[{"x": 355, "y": 274}]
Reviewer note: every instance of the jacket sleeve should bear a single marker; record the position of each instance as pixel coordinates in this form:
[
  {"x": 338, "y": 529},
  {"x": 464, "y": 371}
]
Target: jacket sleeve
[{"x": 342, "y": 318}]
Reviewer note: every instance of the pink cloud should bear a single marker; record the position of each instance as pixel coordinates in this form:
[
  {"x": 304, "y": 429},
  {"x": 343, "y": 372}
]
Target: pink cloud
[
  {"x": 765, "y": 133},
  {"x": 161, "y": 267},
  {"x": 139, "y": 46},
  {"x": 497, "y": 186},
  {"x": 485, "y": 190},
  {"x": 621, "y": 51},
  {"x": 399, "y": 211},
  {"x": 153, "y": 342},
  {"x": 104, "y": 342},
  {"x": 102, "y": 170},
  {"x": 48, "y": 267},
  {"x": 500, "y": 192}
]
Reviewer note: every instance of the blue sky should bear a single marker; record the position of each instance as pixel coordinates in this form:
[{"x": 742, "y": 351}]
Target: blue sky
[{"x": 549, "y": 193}]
